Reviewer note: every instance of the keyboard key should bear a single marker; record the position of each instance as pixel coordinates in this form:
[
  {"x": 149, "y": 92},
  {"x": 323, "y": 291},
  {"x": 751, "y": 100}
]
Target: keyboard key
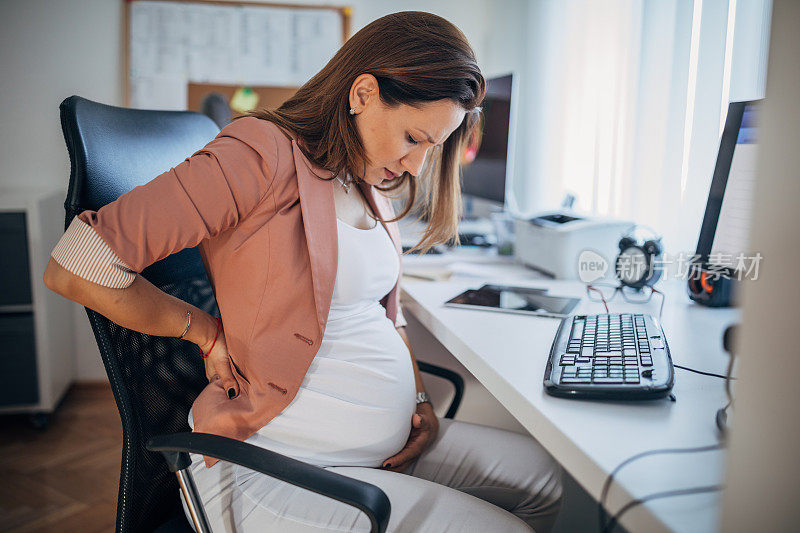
[
  {"x": 607, "y": 380},
  {"x": 577, "y": 329},
  {"x": 575, "y": 380}
]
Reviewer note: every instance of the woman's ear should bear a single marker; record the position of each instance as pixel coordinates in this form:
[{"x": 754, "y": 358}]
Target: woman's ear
[{"x": 363, "y": 92}]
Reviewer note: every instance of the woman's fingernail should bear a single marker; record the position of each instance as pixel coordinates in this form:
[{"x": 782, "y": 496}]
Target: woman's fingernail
[
  {"x": 387, "y": 465},
  {"x": 231, "y": 393}
]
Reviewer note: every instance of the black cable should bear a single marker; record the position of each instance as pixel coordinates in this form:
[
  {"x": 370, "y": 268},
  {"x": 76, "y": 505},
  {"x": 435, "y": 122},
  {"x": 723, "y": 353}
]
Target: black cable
[
  {"x": 610, "y": 478},
  {"x": 721, "y": 416},
  {"x": 721, "y": 419},
  {"x": 666, "y": 494},
  {"x": 702, "y": 372}
]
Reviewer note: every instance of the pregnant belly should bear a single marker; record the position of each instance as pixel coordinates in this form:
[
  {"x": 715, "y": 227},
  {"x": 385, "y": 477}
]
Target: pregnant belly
[{"x": 355, "y": 403}]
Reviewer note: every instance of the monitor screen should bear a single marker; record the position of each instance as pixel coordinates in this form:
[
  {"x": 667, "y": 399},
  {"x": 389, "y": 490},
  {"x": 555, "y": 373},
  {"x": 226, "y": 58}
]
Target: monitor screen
[
  {"x": 726, "y": 224},
  {"x": 484, "y": 162}
]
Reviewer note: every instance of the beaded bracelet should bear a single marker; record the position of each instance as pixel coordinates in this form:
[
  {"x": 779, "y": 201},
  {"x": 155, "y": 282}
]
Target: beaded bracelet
[{"x": 204, "y": 356}]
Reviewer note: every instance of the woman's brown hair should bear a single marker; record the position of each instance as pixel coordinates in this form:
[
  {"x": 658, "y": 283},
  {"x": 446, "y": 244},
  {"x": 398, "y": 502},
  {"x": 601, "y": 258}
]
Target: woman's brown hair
[{"x": 416, "y": 57}]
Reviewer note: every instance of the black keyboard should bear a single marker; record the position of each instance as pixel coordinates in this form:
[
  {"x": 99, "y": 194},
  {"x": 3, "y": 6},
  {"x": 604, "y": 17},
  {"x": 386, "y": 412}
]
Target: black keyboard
[{"x": 615, "y": 356}]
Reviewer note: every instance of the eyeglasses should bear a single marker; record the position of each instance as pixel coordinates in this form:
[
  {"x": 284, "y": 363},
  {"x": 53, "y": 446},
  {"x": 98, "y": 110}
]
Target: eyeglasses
[{"x": 605, "y": 292}]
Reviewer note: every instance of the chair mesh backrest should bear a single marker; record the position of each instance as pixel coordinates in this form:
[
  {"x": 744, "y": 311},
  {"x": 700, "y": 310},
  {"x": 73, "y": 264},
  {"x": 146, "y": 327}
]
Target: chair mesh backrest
[{"x": 154, "y": 379}]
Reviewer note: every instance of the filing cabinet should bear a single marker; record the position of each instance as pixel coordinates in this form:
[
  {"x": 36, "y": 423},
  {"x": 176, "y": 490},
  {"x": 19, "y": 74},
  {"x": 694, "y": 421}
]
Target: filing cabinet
[{"x": 37, "y": 347}]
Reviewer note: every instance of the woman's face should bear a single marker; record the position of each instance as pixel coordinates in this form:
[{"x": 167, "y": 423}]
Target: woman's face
[{"x": 398, "y": 139}]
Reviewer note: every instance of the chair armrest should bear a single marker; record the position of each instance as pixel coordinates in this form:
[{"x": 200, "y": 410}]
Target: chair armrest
[
  {"x": 360, "y": 494},
  {"x": 453, "y": 377}
]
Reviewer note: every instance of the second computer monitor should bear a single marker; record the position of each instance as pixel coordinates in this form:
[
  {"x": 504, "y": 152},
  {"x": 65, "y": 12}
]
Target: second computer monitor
[
  {"x": 486, "y": 162},
  {"x": 723, "y": 239}
]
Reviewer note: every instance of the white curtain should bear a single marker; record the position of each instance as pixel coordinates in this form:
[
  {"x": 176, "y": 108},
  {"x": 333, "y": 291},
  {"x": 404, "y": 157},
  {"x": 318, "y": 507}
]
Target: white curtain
[{"x": 624, "y": 102}]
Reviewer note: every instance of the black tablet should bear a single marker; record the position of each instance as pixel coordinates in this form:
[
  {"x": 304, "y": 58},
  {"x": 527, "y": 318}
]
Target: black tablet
[{"x": 525, "y": 300}]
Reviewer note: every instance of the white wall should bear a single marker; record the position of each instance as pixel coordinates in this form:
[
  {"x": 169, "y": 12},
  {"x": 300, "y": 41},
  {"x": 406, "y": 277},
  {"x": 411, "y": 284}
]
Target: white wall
[
  {"x": 49, "y": 51},
  {"x": 52, "y": 50}
]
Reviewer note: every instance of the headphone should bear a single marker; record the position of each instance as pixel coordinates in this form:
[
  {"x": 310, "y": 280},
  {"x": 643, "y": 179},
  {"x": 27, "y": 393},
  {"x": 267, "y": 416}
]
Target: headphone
[
  {"x": 636, "y": 265},
  {"x": 712, "y": 288}
]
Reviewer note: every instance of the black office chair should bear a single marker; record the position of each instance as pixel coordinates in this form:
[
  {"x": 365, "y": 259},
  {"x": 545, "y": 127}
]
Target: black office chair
[
  {"x": 156, "y": 379},
  {"x": 216, "y": 107}
]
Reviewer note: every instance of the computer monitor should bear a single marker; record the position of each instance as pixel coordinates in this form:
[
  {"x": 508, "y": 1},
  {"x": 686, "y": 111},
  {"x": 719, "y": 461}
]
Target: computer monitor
[
  {"x": 487, "y": 161},
  {"x": 726, "y": 223}
]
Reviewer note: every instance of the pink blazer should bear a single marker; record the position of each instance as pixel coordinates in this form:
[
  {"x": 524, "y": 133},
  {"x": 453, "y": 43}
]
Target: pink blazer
[{"x": 266, "y": 229}]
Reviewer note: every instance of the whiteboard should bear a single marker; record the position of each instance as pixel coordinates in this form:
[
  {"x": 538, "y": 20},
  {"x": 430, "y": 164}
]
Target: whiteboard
[{"x": 173, "y": 43}]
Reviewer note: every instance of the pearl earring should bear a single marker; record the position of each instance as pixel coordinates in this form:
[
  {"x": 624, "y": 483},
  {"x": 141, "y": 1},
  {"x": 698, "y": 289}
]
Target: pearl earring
[{"x": 352, "y": 111}]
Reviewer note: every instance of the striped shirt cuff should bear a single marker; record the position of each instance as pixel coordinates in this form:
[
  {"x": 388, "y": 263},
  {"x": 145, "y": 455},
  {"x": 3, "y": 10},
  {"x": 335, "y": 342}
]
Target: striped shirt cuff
[{"x": 83, "y": 252}]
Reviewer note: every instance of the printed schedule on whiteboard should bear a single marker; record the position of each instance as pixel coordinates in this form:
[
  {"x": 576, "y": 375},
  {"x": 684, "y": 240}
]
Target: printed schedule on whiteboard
[{"x": 174, "y": 43}]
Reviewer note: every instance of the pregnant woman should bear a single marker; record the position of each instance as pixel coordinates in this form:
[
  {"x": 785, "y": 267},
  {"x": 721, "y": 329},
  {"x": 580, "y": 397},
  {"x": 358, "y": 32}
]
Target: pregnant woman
[{"x": 310, "y": 358}]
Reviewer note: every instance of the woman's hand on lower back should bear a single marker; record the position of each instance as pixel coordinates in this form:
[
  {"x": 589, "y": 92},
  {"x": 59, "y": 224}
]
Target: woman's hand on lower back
[{"x": 218, "y": 366}]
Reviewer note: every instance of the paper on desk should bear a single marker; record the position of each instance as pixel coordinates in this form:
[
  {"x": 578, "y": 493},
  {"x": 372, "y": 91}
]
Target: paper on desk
[
  {"x": 478, "y": 270},
  {"x": 463, "y": 269},
  {"x": 428, "y": 273}
]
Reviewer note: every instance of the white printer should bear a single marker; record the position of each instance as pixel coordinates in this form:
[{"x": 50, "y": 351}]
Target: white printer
[{"x": 553, "y": 241}]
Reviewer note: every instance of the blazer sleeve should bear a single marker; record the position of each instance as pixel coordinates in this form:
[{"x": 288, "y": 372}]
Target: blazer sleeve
[{"x": 211, "y": 191}]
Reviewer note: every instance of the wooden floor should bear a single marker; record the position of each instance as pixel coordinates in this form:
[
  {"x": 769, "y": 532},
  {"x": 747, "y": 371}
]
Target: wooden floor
[{"x": 64, "y": 478}]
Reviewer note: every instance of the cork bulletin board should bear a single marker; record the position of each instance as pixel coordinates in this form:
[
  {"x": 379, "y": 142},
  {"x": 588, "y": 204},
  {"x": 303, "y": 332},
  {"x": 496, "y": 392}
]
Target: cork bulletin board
[{"x": 177, "y": 51}]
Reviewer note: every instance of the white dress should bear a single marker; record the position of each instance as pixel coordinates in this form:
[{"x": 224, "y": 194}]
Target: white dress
[{"x": 355, "y": 403}]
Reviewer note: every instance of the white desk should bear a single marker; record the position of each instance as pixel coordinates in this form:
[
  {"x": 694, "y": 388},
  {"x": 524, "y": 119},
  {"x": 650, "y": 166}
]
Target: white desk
[{"x": 507, "y": 353}]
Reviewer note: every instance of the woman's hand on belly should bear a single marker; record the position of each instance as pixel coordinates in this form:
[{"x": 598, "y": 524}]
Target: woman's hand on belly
[{"x": 424, "y": 428}]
